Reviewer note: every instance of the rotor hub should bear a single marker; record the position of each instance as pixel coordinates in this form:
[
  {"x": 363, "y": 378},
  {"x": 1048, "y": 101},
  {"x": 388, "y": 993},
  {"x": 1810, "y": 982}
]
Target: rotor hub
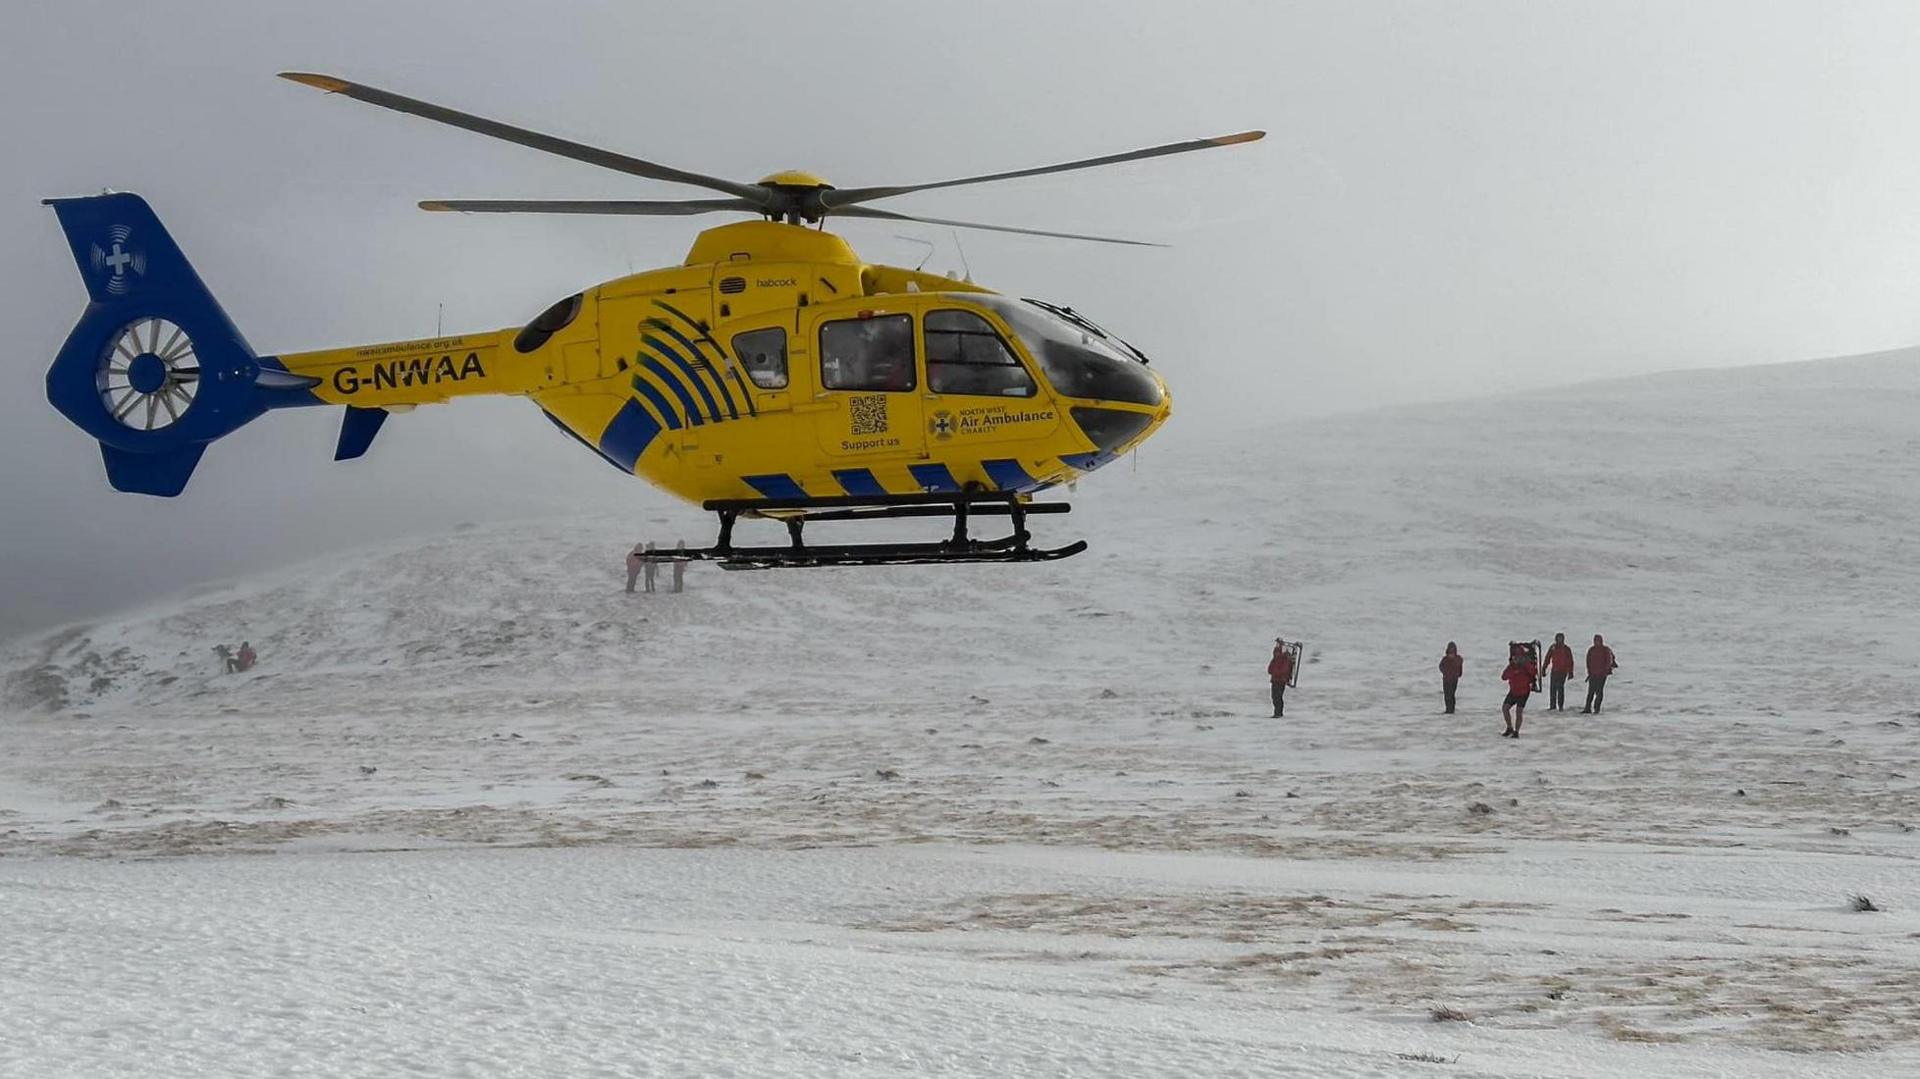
[
  {"x": 794, "y": 196},
  {"x": 147, "y": 373},
  {"x": 795, "y": 178}
]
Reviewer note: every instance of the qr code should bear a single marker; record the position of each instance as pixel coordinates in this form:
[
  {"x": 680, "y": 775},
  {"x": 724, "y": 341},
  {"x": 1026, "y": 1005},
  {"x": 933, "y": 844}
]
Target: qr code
[{"x": 869, "y": 414}]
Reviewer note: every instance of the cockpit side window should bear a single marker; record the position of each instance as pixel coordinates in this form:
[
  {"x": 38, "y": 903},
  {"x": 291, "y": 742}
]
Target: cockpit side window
[
  {"x": 549, "y": 322},
  {"x": 868, "y": 354},
  {"x": 764, "y": 354},
  {"x": 966, "y": 356}
]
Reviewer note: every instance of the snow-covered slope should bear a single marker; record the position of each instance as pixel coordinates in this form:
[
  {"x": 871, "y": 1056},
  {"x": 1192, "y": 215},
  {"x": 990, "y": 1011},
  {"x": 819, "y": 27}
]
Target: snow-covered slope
[{"x": 1674, "y": 870}]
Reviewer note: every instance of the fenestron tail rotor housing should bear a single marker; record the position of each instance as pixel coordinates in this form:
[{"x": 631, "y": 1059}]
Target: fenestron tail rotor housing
[{"x": 149, "y": 376}]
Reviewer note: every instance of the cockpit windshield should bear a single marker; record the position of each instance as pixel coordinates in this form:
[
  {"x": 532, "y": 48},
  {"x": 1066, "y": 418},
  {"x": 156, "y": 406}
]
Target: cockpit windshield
[
  {"x": 1085, "y": 323},
  {"x": 1078, "y": 358}
]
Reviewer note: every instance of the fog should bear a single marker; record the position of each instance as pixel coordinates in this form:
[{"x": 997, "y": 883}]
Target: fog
[{"x": 1454, "y": 199}]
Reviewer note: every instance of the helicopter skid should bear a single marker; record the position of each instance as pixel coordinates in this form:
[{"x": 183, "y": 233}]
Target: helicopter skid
[
  {"x": 960, "y": 548},
  {"x": 882, "y": 554}
]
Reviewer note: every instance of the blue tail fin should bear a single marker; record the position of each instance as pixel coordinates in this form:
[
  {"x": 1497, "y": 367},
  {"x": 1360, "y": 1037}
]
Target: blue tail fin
[{"x": 154, "y": 370}]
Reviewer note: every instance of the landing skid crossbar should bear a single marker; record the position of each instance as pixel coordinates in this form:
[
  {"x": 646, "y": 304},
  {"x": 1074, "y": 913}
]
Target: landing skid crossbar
[{"x": 960, "y": 547}]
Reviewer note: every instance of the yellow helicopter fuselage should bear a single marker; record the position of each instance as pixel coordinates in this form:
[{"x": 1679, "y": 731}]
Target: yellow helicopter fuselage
[{"x": 774, "y": 364}]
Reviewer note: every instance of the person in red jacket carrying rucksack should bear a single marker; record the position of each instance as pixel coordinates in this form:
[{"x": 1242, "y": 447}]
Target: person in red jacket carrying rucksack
[
  {"x": 1519, "y": 677},
  {"x": 1451, "y": 666},
  {"x": 1600, "y": 664},
  {"x": 1280, "y": 669},
  {"x": 1559, "y": 669}
]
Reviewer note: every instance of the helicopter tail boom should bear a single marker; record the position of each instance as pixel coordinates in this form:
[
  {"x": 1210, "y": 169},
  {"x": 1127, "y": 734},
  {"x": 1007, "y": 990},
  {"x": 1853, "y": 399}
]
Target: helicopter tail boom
[
  {"x": 154, "y": 370},
  {"x": 405, "y": 373}
]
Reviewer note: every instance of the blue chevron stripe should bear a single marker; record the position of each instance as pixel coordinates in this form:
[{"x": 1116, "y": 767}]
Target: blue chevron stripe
[
  {"x": 1007, "y": 475},
  {"x": 628, "y": 434},
  {"x": 732, "y": 369},
  {"x": 934, "y": 478},
  {"x": 693, "y": 350},
  {"x": 858, "y": 481},
  {"x": 664, "y": 349},
  {"x": 1085, "y": 462},
  {"x": 719, "y": 348},
  {"x": 778, "y": 485},
  {"x": 667, "y": 413},
  {"x": 666, "y": 379}
]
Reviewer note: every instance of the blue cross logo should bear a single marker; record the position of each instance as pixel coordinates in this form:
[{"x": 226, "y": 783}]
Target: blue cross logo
[{"x": 123, "y": 264}]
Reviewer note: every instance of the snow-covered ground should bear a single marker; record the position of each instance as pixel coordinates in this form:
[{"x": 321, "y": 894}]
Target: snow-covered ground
[{"x": 1033, "y": 820}]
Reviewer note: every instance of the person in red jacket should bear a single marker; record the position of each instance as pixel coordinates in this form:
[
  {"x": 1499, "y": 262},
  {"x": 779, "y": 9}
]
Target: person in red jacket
[
  {"x": 1519, "y": 677},
  {"x": 1559, "y": 669},
  {"x": 1451, "y": 666},
  {"x": 1280, "y": 669},
  {"x": 1600, "y": 664}
]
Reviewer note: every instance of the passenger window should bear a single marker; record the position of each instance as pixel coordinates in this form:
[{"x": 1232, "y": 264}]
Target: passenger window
[
  {"x": 965, "y": 355},
  {"x": 764, "y": 354},
  {"x": 868, "y": 354}
]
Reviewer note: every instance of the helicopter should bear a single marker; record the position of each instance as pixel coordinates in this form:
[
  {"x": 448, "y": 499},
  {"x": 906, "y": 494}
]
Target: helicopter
[{"x": 772, "y": 374}]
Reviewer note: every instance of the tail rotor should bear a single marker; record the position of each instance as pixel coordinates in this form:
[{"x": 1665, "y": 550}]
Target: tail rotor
[{"x": 149, "y": 378}]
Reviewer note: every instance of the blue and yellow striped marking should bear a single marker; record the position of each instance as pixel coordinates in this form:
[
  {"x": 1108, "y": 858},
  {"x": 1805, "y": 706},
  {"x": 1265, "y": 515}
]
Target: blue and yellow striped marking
[
  {"x": 1008, "y": 475},
  {"x": 689, "y": 411},
  {"x": 935, "y": 477},
  {"x": 681, "y": 385},
  {"x": 628, "y": 434},
  {"x": 665, "y": 411},
  {"x": 691, "y": 362},
  {"x": 661, "y": 350},
  {"x": 859, "y": 482},
  {"x": 777, "y": 485},
  {"x": 733, "y": 370}
]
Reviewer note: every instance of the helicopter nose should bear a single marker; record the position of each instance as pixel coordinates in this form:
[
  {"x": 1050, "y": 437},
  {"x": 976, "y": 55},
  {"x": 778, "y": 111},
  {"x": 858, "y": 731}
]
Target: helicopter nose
[{"x": 1111, "y": 428}]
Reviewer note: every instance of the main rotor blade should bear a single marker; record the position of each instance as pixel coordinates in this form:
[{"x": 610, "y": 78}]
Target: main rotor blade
[
  {"x": 888, "y": 215},
  {"x": 847, "y": 196},
  {"x": 592, "y": 155},
  {"x": 671, "y": 208}
]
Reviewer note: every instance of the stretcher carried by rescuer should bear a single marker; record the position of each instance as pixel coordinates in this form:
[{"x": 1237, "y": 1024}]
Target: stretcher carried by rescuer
[
  {"x": 1283, "y": 671},
  {"x": 1294, "y": 651},
  {"x": 1531, "y": 650}
]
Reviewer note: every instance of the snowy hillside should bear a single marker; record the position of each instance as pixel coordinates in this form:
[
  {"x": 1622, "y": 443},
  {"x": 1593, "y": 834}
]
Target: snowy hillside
[{"x": 1096, "y": 853}]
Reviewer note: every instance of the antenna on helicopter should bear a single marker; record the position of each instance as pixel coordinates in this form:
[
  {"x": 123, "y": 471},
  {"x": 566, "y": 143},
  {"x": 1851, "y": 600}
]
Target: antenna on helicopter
[
  {"x": 917, "y": 240},
  {"x": 966, "y": 269}
]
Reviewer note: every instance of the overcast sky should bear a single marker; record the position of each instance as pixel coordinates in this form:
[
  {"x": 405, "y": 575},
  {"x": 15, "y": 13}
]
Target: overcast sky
[{"x": 1454, "y": 199}]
